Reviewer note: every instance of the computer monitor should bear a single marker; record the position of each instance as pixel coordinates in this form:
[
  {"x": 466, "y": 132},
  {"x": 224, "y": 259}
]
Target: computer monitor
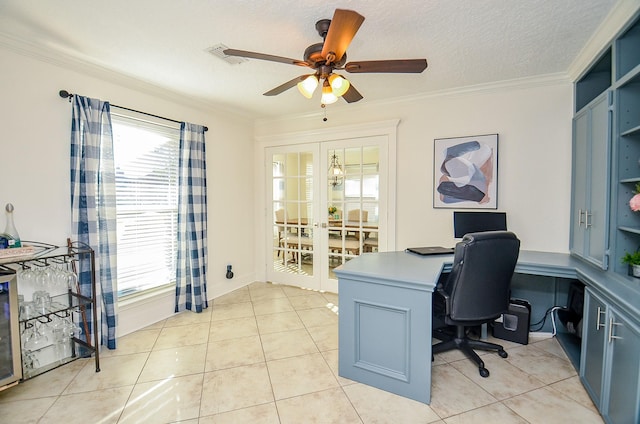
[{"x": 473, "y": 222}]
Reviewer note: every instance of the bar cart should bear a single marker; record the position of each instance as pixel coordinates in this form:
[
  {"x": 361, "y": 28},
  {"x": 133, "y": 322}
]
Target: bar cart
[{"x": 53, "y": 317}]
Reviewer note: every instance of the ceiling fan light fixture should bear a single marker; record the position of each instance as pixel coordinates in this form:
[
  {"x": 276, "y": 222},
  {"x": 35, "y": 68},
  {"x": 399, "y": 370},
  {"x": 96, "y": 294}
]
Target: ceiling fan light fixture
[
  {"x": 308, "y": 85},
  {"x": 323, "y": 58},
  {"x": 327, "y": 94},
  {"x": 339, "y": 85}
]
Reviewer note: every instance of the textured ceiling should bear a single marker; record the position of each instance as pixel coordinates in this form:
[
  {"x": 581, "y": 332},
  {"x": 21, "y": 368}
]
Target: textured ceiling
[{"x": 163, "y": 42}]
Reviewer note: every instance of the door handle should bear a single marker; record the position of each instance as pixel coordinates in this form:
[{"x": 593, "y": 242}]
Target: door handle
[
  {"x": 587, "y": 215},
  {"x": 580, "y": 221},
  {"x": 598, "y": 324},
  {"x": 611, "y": 324}
]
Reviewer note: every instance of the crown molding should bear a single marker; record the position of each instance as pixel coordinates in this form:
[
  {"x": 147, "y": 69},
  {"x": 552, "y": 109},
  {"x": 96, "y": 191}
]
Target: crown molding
[
  {"x": 486, "y": 88},
  {"x": 491, "y": 87},
  {"x": 332, "y": 133},
  {"x": 68, "y": 62}
]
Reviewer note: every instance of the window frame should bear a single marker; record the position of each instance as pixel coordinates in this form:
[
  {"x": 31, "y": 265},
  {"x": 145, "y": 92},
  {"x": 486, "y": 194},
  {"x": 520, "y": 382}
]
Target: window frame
[{"x": 165, "y": 256}]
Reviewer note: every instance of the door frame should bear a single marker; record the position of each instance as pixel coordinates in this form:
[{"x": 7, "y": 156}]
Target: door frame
[{"x": 388, "y": 129}]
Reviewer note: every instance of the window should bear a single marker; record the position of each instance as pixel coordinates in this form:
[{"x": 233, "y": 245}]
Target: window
[{"x": 146, "y": 165}]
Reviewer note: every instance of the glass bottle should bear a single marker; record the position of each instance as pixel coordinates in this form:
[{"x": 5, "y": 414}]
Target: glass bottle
[{"x": 10, "y": 229}]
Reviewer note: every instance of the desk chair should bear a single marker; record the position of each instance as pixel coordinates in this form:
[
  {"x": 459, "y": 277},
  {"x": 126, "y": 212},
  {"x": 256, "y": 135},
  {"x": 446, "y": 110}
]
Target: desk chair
[{"x": 476, "y": 291}]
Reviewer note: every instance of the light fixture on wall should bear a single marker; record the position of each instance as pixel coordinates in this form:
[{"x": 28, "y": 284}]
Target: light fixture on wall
[{"x": 335, "y": 171}]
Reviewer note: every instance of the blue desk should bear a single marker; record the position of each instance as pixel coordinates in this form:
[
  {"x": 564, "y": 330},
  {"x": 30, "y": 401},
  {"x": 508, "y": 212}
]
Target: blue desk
[{"x": 385, "y": 315}]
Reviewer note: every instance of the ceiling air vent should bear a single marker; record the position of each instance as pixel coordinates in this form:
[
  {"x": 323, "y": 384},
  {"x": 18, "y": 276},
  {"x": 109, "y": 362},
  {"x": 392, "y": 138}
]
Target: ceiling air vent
[{"x": 217, "y": 51}]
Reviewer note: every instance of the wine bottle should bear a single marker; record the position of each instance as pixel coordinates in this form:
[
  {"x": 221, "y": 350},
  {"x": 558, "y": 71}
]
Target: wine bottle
[{"x": 10, "y": 230}]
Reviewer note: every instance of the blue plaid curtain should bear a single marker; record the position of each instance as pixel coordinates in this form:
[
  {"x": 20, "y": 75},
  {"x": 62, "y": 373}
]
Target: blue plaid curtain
[
  {"x": 191, "y": 272},
  {"x": 93, "y": 208}
]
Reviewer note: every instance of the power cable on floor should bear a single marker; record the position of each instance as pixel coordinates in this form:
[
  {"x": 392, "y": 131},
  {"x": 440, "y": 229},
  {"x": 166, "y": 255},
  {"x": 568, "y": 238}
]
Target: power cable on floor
[{"x": 543, "y": 320}]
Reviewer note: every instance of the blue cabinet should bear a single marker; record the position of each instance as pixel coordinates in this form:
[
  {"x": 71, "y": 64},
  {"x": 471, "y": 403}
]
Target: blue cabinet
[
  {"x": 590, "y": 194},
  {"x": 610, "y": 369},
  {"x": 592, "y": 361},
  {"x": 606, "y": 170},
  {"x": 622, "y": 370}
]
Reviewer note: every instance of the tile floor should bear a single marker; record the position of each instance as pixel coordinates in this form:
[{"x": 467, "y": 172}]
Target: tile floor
[{"x": 269, "y": 354}]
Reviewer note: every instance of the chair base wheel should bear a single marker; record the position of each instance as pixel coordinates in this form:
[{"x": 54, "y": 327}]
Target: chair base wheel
[
  {"x": 503, "y": 354},
  {"x": 484, "y": 372}
]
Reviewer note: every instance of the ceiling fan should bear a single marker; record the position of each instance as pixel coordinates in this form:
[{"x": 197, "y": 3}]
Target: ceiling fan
[{"x": 326, "y": 57}]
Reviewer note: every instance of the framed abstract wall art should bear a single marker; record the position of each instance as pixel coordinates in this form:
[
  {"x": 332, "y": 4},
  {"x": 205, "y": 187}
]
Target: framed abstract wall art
[{"x": 466, "y": 172}]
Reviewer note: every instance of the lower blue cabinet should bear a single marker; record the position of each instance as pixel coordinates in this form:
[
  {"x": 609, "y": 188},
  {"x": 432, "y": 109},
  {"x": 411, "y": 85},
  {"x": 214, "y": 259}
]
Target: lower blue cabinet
[
  {"x": 609, "y": 367},
  {"x": 593, "y": 346}
]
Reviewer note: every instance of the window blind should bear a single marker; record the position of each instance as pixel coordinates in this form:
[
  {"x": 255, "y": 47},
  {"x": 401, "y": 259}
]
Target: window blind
[{"x": 146, "y": 163}]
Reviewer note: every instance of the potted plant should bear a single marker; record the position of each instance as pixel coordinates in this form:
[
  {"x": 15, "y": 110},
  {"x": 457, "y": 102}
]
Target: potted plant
[{"x": 633, "y": 260}]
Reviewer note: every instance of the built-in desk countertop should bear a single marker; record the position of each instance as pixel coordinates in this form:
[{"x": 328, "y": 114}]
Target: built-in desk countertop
[{"x": 385, "y": 312}]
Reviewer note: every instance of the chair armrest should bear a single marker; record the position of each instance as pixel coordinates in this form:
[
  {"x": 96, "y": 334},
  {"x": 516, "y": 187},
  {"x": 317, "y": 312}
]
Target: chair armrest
[{"x": 446, "y": 297}]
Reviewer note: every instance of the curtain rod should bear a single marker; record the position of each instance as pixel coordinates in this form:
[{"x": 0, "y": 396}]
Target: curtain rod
[{"x": 66, "y": 95}]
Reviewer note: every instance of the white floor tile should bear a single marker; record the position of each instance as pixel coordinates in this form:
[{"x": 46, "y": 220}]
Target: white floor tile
[
  {"x": 268, "y": 354},
  {"x": 235, "y": 388},
  {"x": 300, "y": 375},
  {"x": 164, "y": 401}
]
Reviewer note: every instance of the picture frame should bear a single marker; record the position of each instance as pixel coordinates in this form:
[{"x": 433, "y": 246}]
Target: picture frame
[{"x": 466, "y": 172}]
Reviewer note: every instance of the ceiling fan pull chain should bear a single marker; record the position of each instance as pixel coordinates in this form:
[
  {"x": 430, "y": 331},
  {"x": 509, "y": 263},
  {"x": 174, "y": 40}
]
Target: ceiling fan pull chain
[{"x": 324, "y": 107}]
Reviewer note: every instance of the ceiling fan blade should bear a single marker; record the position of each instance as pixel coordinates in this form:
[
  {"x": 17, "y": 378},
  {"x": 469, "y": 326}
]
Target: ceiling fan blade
[
  {"x": 352, "y": 95},
  {"x": 343, "y": 28},
  {"x": 410, "y": 66},
  {"x": 262, "y": 56},
  {"x": 284, "y": 87}
]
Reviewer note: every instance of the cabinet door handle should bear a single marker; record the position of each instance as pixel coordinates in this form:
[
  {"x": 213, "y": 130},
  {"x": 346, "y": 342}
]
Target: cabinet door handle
[
  {"x": 611, "y": 324},
  {"x": 598, "y": 324},
  {"x": 587, "y": 215},
  {"x": 580, "y": 221}
]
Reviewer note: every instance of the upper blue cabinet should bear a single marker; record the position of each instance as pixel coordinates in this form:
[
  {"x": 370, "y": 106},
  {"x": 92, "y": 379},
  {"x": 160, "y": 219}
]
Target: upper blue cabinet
[
  {"x": 594, "y": 82},
  {"x": 606, "y": 157},
  {"x": 590, "y": 185},
  {"x": 628, "y": 52}
]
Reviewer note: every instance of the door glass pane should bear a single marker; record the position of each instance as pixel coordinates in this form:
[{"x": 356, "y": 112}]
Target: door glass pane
[
  {"x": 293, "y": 213},
  {"x": 353, "y": 203}
]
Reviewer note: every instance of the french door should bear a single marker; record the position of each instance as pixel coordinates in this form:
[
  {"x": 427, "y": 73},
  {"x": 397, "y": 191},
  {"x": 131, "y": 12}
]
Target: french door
[{"x": 327, "y": 205}]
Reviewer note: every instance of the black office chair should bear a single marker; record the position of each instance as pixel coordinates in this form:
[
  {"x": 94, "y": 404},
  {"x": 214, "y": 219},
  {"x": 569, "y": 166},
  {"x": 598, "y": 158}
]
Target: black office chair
[{"x": 475, "y": 292}]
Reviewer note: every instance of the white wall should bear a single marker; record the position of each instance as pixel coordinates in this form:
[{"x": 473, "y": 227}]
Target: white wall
[
  {"x": 533, "y": 120},
  {"x": 34, "y": 146}
]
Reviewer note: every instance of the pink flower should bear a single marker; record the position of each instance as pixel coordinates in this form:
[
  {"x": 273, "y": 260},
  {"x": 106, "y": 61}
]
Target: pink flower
[{"x": 634, "y": 203}]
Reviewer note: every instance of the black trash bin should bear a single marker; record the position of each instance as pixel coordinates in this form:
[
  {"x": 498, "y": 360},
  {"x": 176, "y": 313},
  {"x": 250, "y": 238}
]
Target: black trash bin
[{"x": 514, "y": 325}]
